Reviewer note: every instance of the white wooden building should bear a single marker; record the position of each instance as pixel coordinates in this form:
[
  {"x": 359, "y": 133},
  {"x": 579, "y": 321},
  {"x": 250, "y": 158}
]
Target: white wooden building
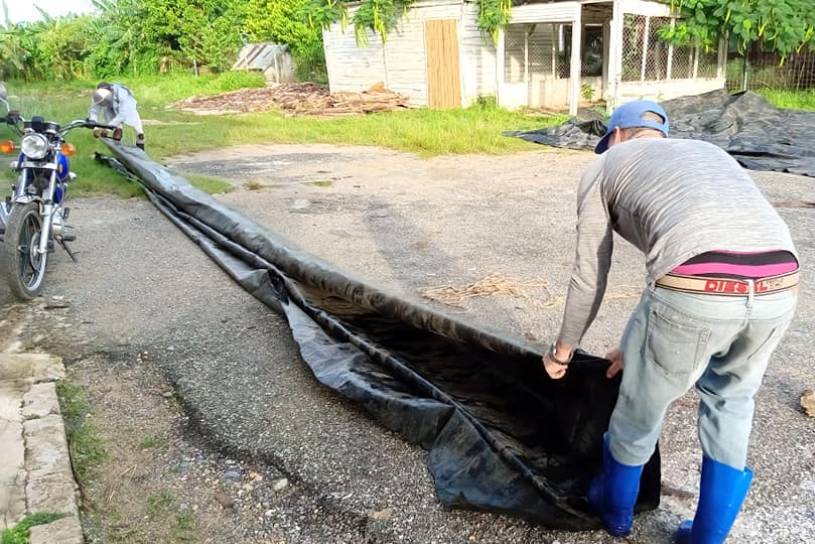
[{"x": 553, "y": 54}]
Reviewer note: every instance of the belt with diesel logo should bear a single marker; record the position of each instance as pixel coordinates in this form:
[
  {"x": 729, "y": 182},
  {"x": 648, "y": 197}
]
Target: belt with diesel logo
[{"x": 729, "y": 286}]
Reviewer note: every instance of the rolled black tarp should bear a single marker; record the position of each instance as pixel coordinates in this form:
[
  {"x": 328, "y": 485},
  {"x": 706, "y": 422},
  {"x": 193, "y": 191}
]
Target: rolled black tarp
[
  {"x": 756, "y": 133},
  {"x": 501, "y": 435}
]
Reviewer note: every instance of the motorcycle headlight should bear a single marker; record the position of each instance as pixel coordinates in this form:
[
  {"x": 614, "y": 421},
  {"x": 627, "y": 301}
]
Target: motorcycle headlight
[{"x": 34, "y": 146}]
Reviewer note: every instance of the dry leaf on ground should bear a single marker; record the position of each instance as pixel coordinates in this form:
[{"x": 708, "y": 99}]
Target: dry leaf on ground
[{"x": 296, "y": 99}]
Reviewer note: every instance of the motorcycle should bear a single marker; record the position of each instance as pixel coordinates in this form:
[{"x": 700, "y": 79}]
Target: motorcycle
[{"x": 32, "y": 218}]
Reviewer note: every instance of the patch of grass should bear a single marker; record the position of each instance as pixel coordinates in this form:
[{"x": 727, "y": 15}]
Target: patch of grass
[
  {"x": 160, "y": 503},
  {"x": 209, "y": 184},
  {"x": 253, "y": 185},
  {"x": 796, "y": 100},
  {"x": 184, "y": 528},
  {"x": 180, "y": 524},
  {"x": 152, "y": 442},
  {"x": 21, "y": 533},
  {"x": 85, "y": 445},
  {"x": 322, "y": 183},
  {"x": 426, "y": 132}
]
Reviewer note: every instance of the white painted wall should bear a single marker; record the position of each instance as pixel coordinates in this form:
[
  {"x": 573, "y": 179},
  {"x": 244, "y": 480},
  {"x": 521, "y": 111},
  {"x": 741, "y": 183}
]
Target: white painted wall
[
  {"x": 666, "y": 90},
  {"x": 542, "y": 89},
  {"x": 401, "y": 62},
  {"x": 646, "y": 7},
  {"x": 352, "y": 68},
  {"x": 550, "y": 12},
  {"x": 478, "y": 57}
]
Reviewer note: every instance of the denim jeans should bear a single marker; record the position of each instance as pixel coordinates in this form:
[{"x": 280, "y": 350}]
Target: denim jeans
[{"x": 675, "y": 340}]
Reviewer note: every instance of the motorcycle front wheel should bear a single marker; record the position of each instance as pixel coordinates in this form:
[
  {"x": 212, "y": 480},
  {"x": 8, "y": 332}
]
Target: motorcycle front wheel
[{"x": 24, "y": 267}]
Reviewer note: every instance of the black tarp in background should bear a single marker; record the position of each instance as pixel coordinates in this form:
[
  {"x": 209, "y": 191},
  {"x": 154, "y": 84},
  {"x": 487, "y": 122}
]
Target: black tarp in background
[
  {"x": 501, "y": 435},
  {"x": 756, "y": 133}
]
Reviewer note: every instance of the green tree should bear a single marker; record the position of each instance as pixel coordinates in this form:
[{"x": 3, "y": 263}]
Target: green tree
[
  {"x": 785, "y": 26},
  {"x": 205, "y": 32},
  {"x": 148, "y": 36},
  {"x": 124, "y": 41},
  {"x": 281, "y": 21},
  {"x": 63, "y": 45},
  {"x": 288, "y": 22}
]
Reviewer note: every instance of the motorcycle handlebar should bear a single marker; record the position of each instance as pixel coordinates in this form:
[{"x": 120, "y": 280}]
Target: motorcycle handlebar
[
  {"x": 94, "y": 124},
  {"x": 12, "y": 118},
  {"x": 85, "y": 123}
]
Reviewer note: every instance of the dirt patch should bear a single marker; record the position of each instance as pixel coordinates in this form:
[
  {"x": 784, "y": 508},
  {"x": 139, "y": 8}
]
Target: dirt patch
[
  {"x": 295, "y": 99},
  {"x": 490, "y": 285},
  {"x": 154, "y": 484}
]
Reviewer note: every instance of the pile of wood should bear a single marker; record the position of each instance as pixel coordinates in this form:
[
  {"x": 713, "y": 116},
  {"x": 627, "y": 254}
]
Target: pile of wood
[{"x": 295, "y": 99}]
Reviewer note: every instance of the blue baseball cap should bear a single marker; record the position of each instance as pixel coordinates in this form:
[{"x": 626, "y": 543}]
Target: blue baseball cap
[{"x": 630, "y": 115}]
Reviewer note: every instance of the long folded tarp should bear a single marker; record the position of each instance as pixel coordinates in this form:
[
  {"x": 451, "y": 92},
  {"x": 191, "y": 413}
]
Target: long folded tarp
[
  {"x": 756, "y": 133},
  {"x": 501, "y": 435}
]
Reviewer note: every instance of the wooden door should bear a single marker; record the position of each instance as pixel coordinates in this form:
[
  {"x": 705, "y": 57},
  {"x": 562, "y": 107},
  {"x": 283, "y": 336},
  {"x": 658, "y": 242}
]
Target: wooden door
[{"x": 443, "y": 77}]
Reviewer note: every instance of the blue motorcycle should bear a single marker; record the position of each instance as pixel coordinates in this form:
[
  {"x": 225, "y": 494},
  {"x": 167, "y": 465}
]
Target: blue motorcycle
[{"x": 33, "y": 218}]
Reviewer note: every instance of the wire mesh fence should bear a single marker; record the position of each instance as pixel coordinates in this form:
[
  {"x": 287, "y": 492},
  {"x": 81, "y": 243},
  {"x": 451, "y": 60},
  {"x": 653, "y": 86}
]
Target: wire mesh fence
[
  {"x": 542, "y": 60},
  {"x": 633, "y": 36},
  {"x": 537, "y": 50},
  {"x": 682, "y": 62},
  {"x": 655, "y": 66},
  {"x": 760, "y": 69},
  {"x": 514, "y": 53},
  {"x": 647, "y": 57}
]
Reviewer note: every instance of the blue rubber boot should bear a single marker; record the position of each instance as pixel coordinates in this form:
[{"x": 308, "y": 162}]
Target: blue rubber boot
[
  {"x": 721, "y": 495},
  {"x": 613, "y": 493}
]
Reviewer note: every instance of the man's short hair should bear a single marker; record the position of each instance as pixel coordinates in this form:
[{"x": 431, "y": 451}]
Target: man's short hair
[
  {"x": 104, "y": 85},
  {"x": 636, "y": 131}
]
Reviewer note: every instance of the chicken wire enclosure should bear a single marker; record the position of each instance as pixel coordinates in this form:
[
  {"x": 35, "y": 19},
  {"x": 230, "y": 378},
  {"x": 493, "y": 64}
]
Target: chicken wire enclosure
[
  {"x": 655, "y": 66},
  {"x": 708, "y": 64},
  {"x": 536, "y": 50},
  {"x": 682, "y": 62},
  {"x": 646, "y": 57},
  {"x": 515, "y": 53},
  {"x": 634, "y": 34}
]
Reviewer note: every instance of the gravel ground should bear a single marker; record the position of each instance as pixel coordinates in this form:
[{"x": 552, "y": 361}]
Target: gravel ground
[{"x": 405, "y": 224}]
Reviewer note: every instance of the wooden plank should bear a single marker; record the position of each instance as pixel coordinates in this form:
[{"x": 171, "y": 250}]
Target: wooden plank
[{"x": 443, "y": 72}]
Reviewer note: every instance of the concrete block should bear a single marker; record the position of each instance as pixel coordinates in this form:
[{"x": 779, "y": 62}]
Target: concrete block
[
  {"x": 39, "y": 367},
  {"x": 50, "y": 486},
  {"x": 11, "y": 398},
  {"x": 51, "y": 493},
  {"x": 12, "y": 472},
  {"x": 40, "y": 401},
  {"x": 63, "y": 531},
  {"x": 12, "y": 499},
  {"x": 46, "y": 446}
]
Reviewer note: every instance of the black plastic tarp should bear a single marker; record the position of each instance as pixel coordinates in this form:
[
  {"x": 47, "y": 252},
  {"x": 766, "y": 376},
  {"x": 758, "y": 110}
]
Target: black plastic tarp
[
  {"x": 501, "y": 435},
  {"x": 756, "y": 133}
]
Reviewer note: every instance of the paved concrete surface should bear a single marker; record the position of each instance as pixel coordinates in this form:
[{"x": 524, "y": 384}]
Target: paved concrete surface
[
  {"x": 403, "y": 223},
  {"x": 35, "y": 468}
]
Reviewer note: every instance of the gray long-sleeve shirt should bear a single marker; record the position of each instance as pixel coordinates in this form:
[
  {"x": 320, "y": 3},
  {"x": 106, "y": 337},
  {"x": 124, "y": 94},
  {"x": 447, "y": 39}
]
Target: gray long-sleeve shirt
[{"x": 672, "y": 199}]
